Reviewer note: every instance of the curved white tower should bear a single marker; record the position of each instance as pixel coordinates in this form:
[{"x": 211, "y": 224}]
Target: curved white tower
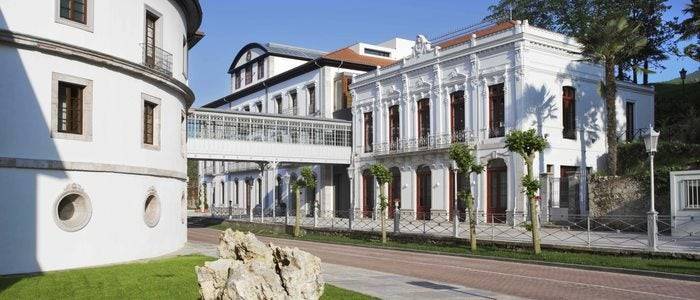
[{"x": 92, "y": 130}]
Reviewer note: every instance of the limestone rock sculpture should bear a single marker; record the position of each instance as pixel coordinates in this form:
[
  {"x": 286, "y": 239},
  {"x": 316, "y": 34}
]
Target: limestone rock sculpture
[{"x": 249, "y": 269}]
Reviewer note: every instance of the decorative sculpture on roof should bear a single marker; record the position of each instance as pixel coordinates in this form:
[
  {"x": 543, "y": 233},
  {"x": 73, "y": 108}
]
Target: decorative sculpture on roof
[{"x": 422, "y": 46}]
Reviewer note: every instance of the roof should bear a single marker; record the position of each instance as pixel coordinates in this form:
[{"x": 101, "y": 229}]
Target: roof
[
  {"x": 479, "y": 33},
  {"x": 193, "y": 14},
  {"x": 287, "y": 50},
  {"x": 277, "y": 49},
  {"x": 348, "y": 55}
]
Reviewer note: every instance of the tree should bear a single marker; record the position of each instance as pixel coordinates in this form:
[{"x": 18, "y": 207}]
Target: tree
[
  {"x": 610, "y": 43},
  {"x": 306, "y": 180},
  {"x": 467, "y": 164},
  {"x": 527, "y": 144},
  {"x": 690, "y": 29},
  {"x": 383, "y": 176}
]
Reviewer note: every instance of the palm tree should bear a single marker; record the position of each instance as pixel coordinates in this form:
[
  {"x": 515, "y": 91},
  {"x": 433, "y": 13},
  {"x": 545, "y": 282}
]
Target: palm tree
[
  {"x": 308, "y": 181},
  {"x": 611, "y": 42},
  {"x": 383, "y": 176},
  {"x": 467, "y": 164},
  {"x": 527, "y": 144}
]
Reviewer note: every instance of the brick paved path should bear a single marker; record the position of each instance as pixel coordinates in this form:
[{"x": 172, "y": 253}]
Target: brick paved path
[{"x": 517, "y": 279}]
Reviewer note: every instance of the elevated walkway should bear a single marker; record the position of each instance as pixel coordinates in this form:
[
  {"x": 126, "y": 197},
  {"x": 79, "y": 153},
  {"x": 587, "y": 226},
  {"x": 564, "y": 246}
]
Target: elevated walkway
[{"x": 224, "y": 135}]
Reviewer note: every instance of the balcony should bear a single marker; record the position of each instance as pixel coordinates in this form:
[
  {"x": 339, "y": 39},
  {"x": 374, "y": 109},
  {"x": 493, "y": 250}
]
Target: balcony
[
  {"x": 427, "y": 143},
  {"x": 157, "y": 59}
]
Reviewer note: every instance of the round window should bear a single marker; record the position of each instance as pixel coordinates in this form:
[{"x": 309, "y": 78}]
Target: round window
[
  {"x": 72, "y": 211},
  {"x": 151, "y": 213}
]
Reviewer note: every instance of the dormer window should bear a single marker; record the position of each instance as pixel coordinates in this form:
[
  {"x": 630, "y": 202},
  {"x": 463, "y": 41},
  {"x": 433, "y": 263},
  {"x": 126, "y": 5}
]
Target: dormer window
[
  {"x": 238, "y": 79},
  {"x": 248, "y": 74},
  {"x": 261, "y": 69},
  {"x": 258, "y": 107}
]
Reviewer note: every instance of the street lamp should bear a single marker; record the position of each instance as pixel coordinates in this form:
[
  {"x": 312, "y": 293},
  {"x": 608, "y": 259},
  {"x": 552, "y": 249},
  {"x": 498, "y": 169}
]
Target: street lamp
[
  {"x": 683, "y": 72},
  {"x": 650, "y": 142},
  {"x": 455, "y": 215}
]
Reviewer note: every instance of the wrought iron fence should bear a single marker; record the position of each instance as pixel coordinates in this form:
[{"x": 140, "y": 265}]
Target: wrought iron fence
[
  {"x": 157, "y": 59},
  {"x": 678, "y": 234}
]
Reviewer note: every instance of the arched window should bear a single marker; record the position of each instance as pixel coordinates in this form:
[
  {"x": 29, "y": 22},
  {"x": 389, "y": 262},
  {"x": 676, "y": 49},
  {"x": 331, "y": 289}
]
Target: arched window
[
  {"x": 423, "y": 122},
  {"x": 457, "y": 115}
]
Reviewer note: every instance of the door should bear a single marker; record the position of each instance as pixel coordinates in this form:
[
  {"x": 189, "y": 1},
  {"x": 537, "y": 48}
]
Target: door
[
  {"x": 497, "y": 194},
  {"x": 394, "y": 191},
  {"x": 248, "y": 188},
  {"x": 150, "y": 40},
  {"x": 423, "y": 201},
  {"x": 368, "y": 194}
]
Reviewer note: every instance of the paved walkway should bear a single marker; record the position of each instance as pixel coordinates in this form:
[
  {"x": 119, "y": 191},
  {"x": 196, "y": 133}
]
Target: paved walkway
[
  {"x": 378, "y": 284},
  {"x": 500, "y": 277}
]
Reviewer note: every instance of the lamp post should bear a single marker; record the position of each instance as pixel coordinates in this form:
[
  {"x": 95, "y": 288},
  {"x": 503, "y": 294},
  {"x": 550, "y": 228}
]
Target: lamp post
[
  {"x": 650, "y": 142},
  {"x": 683, "y": 72}
]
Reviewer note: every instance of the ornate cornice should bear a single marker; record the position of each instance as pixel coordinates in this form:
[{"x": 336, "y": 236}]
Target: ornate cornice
[{"x": 68, "y": 51}]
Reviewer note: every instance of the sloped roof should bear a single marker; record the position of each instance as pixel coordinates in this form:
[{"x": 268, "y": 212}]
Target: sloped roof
[
  {"x": 287, "y": 50},
  {"x": 479, "y": 33},
  {"x": 348, "y": 55}
]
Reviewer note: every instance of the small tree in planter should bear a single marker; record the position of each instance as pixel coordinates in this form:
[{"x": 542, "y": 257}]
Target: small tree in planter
[
  {"x": 383, "y": 176},
  {"x": 467, "y": 164},
  {"x": 527, "y": 144},
  {"x": 306, "y": 180}
]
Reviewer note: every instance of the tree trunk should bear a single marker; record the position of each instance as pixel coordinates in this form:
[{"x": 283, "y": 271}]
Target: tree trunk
[
  {"x": 534, "y": 219},
  {"x": 610, "y": 93},
  {"x": 382, "y": 206},
  {"x": 472, "y": 218},
  {"x": 645, "y": 74},
  {"x": 297, "y": 213}
]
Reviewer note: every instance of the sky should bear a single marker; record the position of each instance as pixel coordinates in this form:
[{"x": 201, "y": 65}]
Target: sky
[{"x": 331, "y": 24}]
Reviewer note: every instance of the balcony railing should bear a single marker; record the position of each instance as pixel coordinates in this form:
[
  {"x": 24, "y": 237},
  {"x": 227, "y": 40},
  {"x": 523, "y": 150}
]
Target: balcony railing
[
  {"x": 157, "y": 59},
  {"x": 497, "y": 130},
  {"x": 241, "y": 126},
  {"x": 431, "y": 142}
]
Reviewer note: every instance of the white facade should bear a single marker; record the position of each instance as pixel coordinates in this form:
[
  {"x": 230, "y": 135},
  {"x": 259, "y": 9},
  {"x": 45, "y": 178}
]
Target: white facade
[
  {"x": 298, "y": 82},
  {"x": 100, "y": 192},
  {"x": 533, "y": 66}
]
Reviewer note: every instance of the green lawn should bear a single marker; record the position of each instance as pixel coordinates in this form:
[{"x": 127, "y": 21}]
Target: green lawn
[
  {"x": 668, "y": 265},
  {"x": 171, "y": 278}
]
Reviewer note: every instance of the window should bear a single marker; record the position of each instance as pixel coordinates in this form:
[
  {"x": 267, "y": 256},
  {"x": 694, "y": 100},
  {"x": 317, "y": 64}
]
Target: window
[
  {"x": 377, "y": 52},
  {"x": 261, "y": 69},
  {"x": 148, "y": 122},
  {"x": 151, "y": 122},
  {"x": 569, "y": 112},
  {"x": 457, "y": 118},
  {"x": 293, "y": 100},
  {"x": 343, "y": 98},
  {"x": 185, "y": 57},
  {"x": 369, "y": 132},
  {"x": 74, "y": 10},
  {"x": 278, "y": 103},
  {"x": 72, "y": 209},
  {"x": 151, "y": 209},
  {"x": 496, "y": 111},
  {"x": 394, "y": 127},
  {"x": 246, "y": 108},
  {"x": 629, "y": 119},
  {"x": 150, "y": 39},
  {"x": 248, "y": 74},
  {"x": 238, "y": 79},
  {"x": 690, "y": 193},
  {"x": 312, "y": 99},
  {"x": 70, "y": 108},
  {"x": 423, "y": 122},
  {"x": 183, "y": 133},
  {"x": 258, "y": 107}
]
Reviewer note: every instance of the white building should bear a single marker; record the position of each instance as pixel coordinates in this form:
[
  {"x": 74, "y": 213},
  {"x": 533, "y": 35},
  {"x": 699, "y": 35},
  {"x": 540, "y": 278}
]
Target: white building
[
  {"x": 92, "y": 158},
  {"x": 274, "y": 79},
  {"x": 475, "y": 88}
]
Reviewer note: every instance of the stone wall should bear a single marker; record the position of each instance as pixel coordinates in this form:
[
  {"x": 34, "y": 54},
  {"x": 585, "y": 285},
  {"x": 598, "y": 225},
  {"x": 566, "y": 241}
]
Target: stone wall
[{"x": 617, "y": 196}]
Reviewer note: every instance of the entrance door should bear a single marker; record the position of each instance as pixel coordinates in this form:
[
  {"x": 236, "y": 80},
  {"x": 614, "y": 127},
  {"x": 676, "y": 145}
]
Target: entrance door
[
  {"x": 394, "y": 191},
  {"x": 368, "y": 194},
  {"x": 423, "y": 201},
  {"x": 497, "y": 194}
]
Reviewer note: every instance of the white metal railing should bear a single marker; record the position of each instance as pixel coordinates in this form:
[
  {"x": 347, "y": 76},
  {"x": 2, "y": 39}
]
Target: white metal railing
[
  {"x": 243, "y": 126},
  {"x": 431, "y": 142}
]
